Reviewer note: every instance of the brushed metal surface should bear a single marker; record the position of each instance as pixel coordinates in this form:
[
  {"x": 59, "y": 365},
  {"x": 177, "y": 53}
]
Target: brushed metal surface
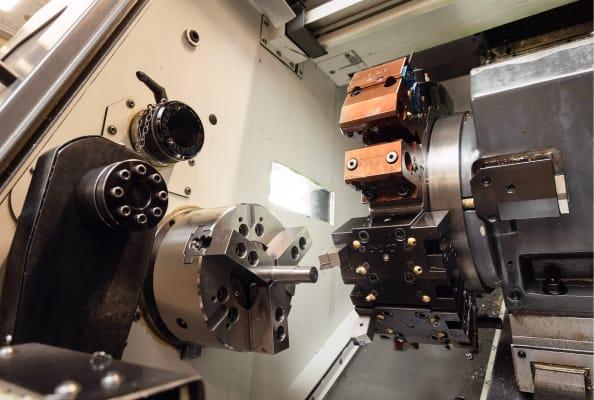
[{"x": 443, "y": 183}]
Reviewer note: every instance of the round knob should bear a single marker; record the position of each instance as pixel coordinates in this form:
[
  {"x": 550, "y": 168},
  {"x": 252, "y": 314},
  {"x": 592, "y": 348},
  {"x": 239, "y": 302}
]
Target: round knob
[{"x": 167, "y": 132}]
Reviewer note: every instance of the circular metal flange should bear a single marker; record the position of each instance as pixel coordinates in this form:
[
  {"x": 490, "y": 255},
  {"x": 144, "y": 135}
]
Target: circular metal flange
[
  {"x": 216, "y": 281},
  {"x": 445, "y": 193},
  {"x": 129, "y": 195},
  {"x": 167, "y": 133}
]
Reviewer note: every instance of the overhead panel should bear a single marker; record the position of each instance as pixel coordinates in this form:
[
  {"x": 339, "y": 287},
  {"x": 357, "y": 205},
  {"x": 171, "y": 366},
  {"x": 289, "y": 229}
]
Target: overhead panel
[{"x": 379, "y": 31}]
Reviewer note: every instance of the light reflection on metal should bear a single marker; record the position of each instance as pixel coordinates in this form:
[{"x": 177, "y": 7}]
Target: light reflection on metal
[{"x": 295, "y": 192}]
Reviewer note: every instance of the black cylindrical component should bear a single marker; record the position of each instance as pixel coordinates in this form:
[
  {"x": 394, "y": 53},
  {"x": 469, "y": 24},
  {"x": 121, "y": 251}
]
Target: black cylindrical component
[
  {"x": 129, "y": 195},
  {"x": 167, "y": 132}
]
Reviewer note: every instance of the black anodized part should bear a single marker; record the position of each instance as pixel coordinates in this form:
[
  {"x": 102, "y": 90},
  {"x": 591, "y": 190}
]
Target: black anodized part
[{"x": 67, "y": 283}]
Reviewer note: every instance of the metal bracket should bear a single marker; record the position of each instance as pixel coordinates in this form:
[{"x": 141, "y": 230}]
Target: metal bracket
[
  {"x": 520, "y": 186},
  {"x": 301, "y": 36},
  {"x": 280, "y": 46}
]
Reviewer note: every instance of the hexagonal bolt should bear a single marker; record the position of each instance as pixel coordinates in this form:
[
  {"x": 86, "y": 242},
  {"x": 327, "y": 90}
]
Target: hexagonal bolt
[
  {"x": 124, "y": 174},
  {"x": 139, "y": 169},
  {"x": 352, "y": 164},
  {"x": 162, "y": 195},
  {"x": 404, "y": 189},
  {"x": 361, "y": 270},
  {"x": 156, "y": 178},
  {"x": 140, "y": 219},
  {"x": 117, "y": 192},
  {"x": 124, "y": 211},
  {"x": 370, "y": 297},
  {"x": 391, "y": 157}
]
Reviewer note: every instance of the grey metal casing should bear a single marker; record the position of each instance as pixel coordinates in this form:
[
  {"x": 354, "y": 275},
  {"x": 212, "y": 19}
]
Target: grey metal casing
[{"x": 541, "y": 100}]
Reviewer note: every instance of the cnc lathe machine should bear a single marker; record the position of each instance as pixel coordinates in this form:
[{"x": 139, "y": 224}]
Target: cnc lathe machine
[{"x": 296, "y": 199}]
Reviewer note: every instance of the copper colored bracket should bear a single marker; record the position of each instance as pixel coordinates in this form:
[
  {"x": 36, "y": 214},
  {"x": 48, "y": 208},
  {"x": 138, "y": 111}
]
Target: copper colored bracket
[
  {"x": 378, "y": 104},
  {"x": 386, "y": 173}
]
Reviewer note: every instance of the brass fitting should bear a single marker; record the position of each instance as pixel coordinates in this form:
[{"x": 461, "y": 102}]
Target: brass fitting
[
  {"x": 361, "y": 270},
  {"x": 370, "y": 297},
  {"x": 417, "y": 270}
]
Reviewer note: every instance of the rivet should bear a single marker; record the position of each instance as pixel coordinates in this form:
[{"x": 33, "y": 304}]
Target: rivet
[
  {"x": 425, "y": 298},
  {"x": 111, "y": 380},
  {"x": 411, "y": 241},
  {"x": 188, "y": 190},
  {"x": 6, "y": 351},
  {"x": 130, "y": 103},
  {"x": 417, "y": 270},
  {"x": 386, "y": 257},
  {"x": 380, "y": 317},
  {"x": 67, "y": 389},
  {"x": 356, "y": 244},
  {"x": 112, "y": 130}
]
